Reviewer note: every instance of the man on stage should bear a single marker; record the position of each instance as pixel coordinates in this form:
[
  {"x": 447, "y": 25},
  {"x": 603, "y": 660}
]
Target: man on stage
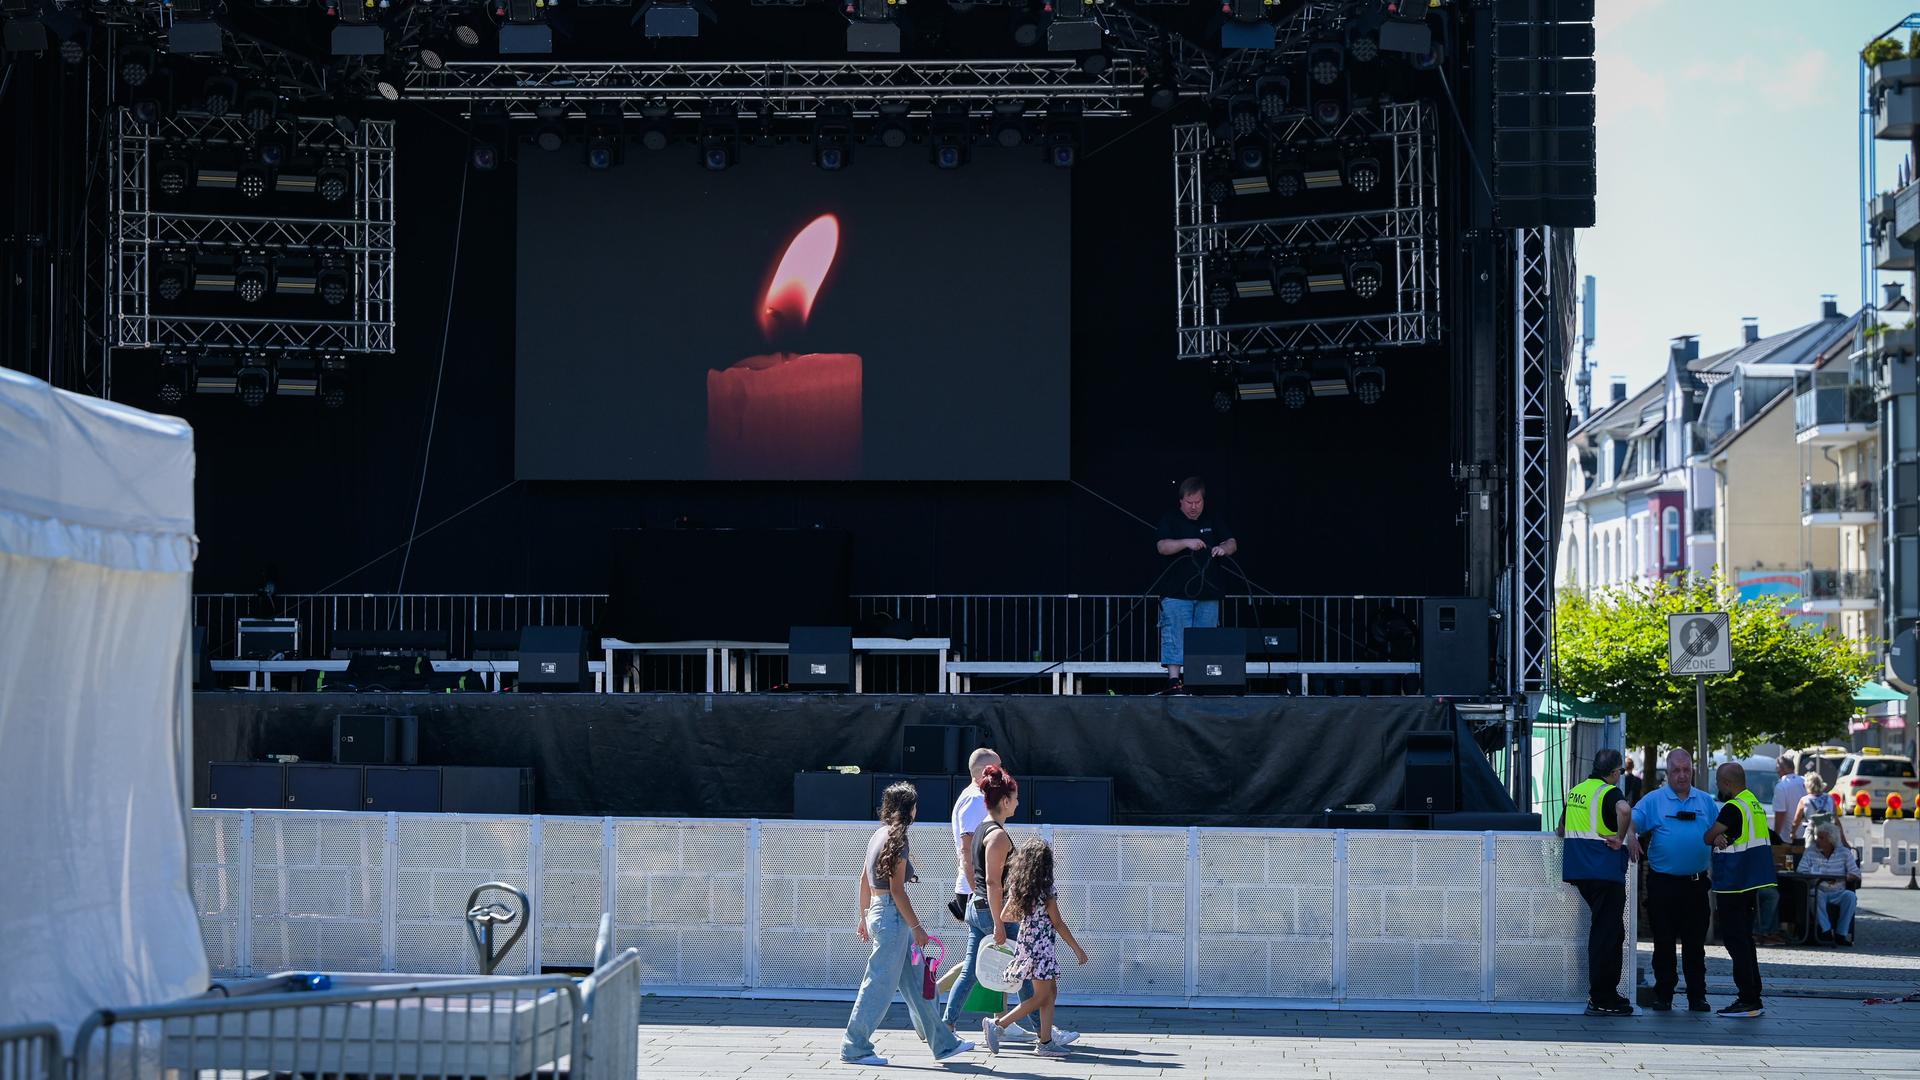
[{"x": 1191, "y": 590}]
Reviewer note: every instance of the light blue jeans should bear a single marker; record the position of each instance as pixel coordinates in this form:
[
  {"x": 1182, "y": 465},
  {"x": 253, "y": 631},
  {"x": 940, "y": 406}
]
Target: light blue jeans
[
  {"x": 890, "y": 970},
  {"x": 1833, "y": 911},
  {"x": 1175, "y": 617},
  {"x": 979, "y": 928}
]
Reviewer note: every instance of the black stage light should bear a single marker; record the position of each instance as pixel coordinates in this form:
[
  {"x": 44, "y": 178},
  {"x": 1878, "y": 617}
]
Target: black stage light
[
  {"x": 550, "y": 134},
  {"x": 1223, "y": 401},
  {"x": 1243, "y": 116},
  {"x": 1326, "y": 281},
  {"x": 389, "y": 82},
  {"x": 489, "y": 132},
  {"x": 1024, "y": 28},
  {"x": 1325, "y": 63},
  {"x": 719, "y": 135},
  {"x": 1366, "y": 277},
  {"x": 1273, "y": 92},
  {"x": 1253, "y": 280},
  {"x": 466, "y": 34},
  {"x": 656, "y": 125},
  {"x": 485, "y": 156},
  {"x": 1257, "y": 385},
  {"x": 1160, "y": 95},
  {"x": 1322, "y": 177},
  {"x": 1362, "y": 43},
  {"x": 252, "y": 181},
  {"x": 1368, "y": 379},
  {"x": 136, "y": 64},
  {"x": 1295, "y": 388},
  {"x": 296, "y": 376},
  {"x": 73, "y": 50},
  {"x": 250, "y": 279},
  {"x": 213, "y": 273},
  {"x": 832, "y": 135},
  {"x": 220, "y": 94},
  {"x": 253, "y": 383},
  {"x": 271, "y": 153},
  {"x": 212, "y": 376},
  {"x": 333, "y": 285},
  {"x": 295, "y": 276},
  {"x": 1328, "y": 110},
  {"x": 172, "y": 175},
  {"x": 333, "y": 181},
  {"x": 432, "y": 57},
  {"x": 1250, "y": 167},
  {"x": 1219, "y": 281},
  {"x": 333, "y": 383},
  {"x": 952, "y": 136},
  {"x": 174, "y": 276},
  {"x": 176, "y": 378},
  {"x": 1363, "y": 172},
  {"x": 1290, "y": 284},
  {"x": 606, "y": 141},
  {"x": 891, "y": 129},
  {"x": 258, "y": 108},
  {"x": 1062, "y": 133},
  {"x": 145, "y": 110},
  {"x": 1286, "y": 181},
  {"x": 1009, "y": 124}
]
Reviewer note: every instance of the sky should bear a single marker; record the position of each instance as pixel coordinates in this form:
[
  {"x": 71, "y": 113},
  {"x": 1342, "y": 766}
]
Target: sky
[{"x": 1728, "y": 181}]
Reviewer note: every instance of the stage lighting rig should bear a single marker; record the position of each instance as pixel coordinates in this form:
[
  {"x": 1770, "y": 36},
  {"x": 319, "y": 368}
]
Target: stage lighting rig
[
  {"x": 832, "y": 136},
  {"x": 1290, "y": 284},
  {"x": 719, "y": 135},
  {"x": 892, "y": 130},
  {"x": 951, "y": 133},
  {"x": 1257, "y": 384},
  {"x": 1253, "y": 280},
  {"x": 1273, "y": 92},
  {"x": 252, "y": 180},
  {"x": 606, "y": 140},
  {"x": 1009, "y": 125},
  {"x": 136, "y": 66},
  {"x": 1250, "y": 175},
  {"x": 1363, "y": 171},
  {"x": 176, "y": 378},
  {"x": 1061, "y": 132},
  {"x": 1367, "y": 378},
  {"x": 333, "y": 382},
  {"x": 253, "y": 382},
  {"x": 1365, "y": 276},
  {"x": 251, "y": 278},
  {"x": 174, "y": 276},
  {"x": 332, "y": 282},
  {"x": 219, "y": 94},
  {"x": 550, "y": 133},
  {"x": 171, "y": 174},
  {"x": 1294, "y": 388},
  {"x": 871, "y": 27},
  {"x": 296, "y": 376},
  {"x": 333, "y": 181},
  {"x": 258, "y": 109},
  {"x": 1362, "y": 44},
  {"x": 295, "y": 276}
]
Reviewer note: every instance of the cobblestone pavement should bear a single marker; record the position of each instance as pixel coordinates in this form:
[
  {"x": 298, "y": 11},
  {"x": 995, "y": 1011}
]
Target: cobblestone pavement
[{"x": 705, "y": 1039}]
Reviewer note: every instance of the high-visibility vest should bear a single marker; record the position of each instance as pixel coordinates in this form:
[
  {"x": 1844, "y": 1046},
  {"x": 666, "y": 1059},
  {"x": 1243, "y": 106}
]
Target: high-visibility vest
[
  {"x": 1747, "y": 863},
  {"x": 1585, "y": 855}
]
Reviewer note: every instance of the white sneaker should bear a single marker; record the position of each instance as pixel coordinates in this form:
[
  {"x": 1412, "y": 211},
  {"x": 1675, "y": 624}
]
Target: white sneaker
[
  {"x": 1063, "y": 1037},
  {"x": 958, "y": 1049},
  {"x": 1015, "y": 1033},
  {"x": 870, "y": 1059}
]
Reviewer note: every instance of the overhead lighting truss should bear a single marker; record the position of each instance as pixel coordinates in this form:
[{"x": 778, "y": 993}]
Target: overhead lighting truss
[{"x": 1402, "y": 239}]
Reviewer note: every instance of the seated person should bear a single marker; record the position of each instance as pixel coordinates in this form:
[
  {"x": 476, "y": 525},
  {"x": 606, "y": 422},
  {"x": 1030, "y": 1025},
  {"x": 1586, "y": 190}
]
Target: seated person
[{"x": 1837, "y": 869}]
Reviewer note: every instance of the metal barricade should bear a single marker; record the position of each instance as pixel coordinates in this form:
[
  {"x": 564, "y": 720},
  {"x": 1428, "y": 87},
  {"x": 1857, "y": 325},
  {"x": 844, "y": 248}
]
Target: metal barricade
[{"x": 31, "y": 1052}]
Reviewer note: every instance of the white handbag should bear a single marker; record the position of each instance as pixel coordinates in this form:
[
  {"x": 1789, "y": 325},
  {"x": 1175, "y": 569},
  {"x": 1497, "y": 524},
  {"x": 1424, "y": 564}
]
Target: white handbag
[{"x": 990, "y": 965}]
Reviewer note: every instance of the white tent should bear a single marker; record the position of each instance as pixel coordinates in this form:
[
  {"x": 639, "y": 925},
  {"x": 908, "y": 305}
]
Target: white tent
[{"x": 96, "y": 561}]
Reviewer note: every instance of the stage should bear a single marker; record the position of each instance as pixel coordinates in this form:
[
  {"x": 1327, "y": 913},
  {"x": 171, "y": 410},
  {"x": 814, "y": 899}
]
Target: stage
[{"x": 1265, "y": 762}]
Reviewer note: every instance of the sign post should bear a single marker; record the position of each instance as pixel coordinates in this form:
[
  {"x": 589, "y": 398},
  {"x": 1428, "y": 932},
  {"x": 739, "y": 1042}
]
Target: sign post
[{"x": 1699, "y": 644}]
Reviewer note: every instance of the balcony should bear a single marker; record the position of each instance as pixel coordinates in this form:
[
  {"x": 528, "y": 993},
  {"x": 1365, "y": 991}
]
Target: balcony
[
  {"x": 1837, "y": 504},
  {"x": 1830, "y": 408},
  {"x": 1701, "y": 522},
  {"x": 1840, "y": 590},
  {"x": 1890, "y": 252}
]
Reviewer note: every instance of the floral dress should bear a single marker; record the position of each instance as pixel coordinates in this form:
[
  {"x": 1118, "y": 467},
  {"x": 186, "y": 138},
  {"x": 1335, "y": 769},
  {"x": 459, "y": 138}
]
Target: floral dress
[{"x": 1033, "y": 956}]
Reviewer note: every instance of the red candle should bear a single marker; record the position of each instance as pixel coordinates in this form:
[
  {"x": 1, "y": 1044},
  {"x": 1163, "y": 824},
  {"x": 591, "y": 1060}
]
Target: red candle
[{"x": 789, "y": 415}]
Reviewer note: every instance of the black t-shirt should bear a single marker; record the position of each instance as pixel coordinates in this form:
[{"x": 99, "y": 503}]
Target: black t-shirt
[
  {"x": 1196, "y": 575},
  {"x": 1735, "y": 821}
]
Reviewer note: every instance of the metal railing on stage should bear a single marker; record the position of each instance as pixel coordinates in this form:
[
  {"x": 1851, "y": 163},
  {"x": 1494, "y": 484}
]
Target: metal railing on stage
[
  {"x": 320, "y": 614},
  {"x": 30, "y": 1052}
]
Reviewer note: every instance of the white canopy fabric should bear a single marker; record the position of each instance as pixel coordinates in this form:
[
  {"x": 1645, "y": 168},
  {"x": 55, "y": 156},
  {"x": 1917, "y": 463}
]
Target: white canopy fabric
[{"x": 96, "y": 557}]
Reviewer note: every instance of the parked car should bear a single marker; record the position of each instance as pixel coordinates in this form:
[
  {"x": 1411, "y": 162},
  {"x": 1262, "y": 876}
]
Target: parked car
[
  {"x": 1824, "y": 760},
  {"x": 1879, "y": 775}
]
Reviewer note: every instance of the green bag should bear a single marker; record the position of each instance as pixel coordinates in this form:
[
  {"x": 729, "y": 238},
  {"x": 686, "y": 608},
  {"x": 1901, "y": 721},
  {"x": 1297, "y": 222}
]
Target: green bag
[{"x": 982, "y": 1000}]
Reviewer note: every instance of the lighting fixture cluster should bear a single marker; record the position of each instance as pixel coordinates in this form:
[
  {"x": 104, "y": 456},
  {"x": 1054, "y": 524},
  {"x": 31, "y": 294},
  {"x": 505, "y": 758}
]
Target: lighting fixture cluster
[
  {"x": 1294, "y": 278},
  {"x": 253, "y": 377},
  {"x": 1293, "y": 381},
  {"x": 253, "y": 275},
  {"x": 267, "y": 165},
  {"x": 1250, "y": 165}
]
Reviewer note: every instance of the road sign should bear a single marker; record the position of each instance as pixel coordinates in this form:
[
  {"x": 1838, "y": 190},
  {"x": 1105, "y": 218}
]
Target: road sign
[{"x": 1698, "y": 643}]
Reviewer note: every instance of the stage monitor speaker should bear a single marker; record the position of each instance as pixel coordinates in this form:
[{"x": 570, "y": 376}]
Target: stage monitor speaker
[
  {"x": 1070, "y": 800},
  {"x": 485, "y": 789},
  {"x": 1273, "y": 643},
  {"x": 433, "y": 644},
  {"x": 408, "y": 789},
  {"x": 1216, "y": 659},
  {"x": 268, "y": 639},
  {"x": 553, "y": 658},
  {"x": 936, "y": 794},
  {"x": 832, "y": 796},
  {"x": 324, "y": 787},
  {"x": 926, "y": 749},
  {"x": 1454, "y": 659},
  {"x": 494, "y": 644},
  {"x": 246, "y": 785},
  {"x": 1432, "y": 773},
  {"x": 1487, "y": 821},
  {"x": 202, "y": 663},
  {"x": 375, "y": 739},
  {"x": 1355, "y": 819},
  {"x": 820, "y": 657}
]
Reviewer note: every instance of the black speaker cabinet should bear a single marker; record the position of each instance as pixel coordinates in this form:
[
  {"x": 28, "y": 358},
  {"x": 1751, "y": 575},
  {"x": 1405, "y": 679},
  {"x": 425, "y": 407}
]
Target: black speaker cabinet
[
  {"x": 324, "y": 787},
  {"x": 1354, "y": 819},
  {"x": 1216, "y": 659},
  {"x": 930, "y": 748},
  {"x": 553, "y": 658},
  {"x": 1487, "y": 821},
  {"x": 411, "y": 789},
  {"x": 1432, "y": 773},
  {"x": 202, "y": 663},
  {"x": 1454, "y": 659},
  {"x": 375, "y": 739},
  {"x": 1273, "y": 643},
  {"x": 485, "y": 789},
  {"x": 494, "y": 644},
  {"x": 936, "y": 794},
  {"x": 246, "y": 785},
  {"x": 1070, "y": 800},
  {"x": 832, "y": 796},
  {"x": 820, "y": 657}
]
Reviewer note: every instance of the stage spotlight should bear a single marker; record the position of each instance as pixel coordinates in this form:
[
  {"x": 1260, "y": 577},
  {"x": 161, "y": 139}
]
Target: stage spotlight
[
  {"x": 1222, "y": 401},
  {"x": 1160, "y": 94},
  {"x": 432, "y": 56},
  {"x": 1326, "y": 281},
  {"x": 1322, "y": 177},
  {"x": 1009, "y": 124},
  {"x": 174, "y": 276},
  {"x": 605, "y": 141},
  {"x": 1328, "y": 111},
  {"x": 176, "y": 378},
  {"x": 252, "y": 181},
  {"x": 136, "y": 64},
  {"x": 1273, "y": 92},
  {"x": 213, "y": 273},
  {"x": 1366, "y": 277},
  {"x": 250, "y": 278},
  {"x": 296, "y": 376},
  {"x": 333, "y": 285},
  {"x": 172, "y": 175},
  {"x": 1250, "y": 167},
  {"x": 1362, "y": 43},
  {"x": 832, "y": 135},
  {"x": 1295, "y": 388},
  {"x": 145, "y": 110},
  {"x": 258, "y": 108},
  {"x": 1290, "y": 284},
  {"x": 656, "y": 125},
  {"x": 1286, "y": 182},
  {"x": 73, "y": 50},
  {"x": 891, "y": 128},
  {"x": 1253, "y": 281},
  {"x": 1243, "y": 116},
  {"x": 485, "y": 156},
  {"x": 220, "y": 94},
  {"x": 1061, "y": 132},
  {"x": 1363, "y": 172},
  {"x": 333, "y": 383},
  {"x": 1025, "y": 28},
  {"x": 719, "y": 135},
  {"x": 293, "y": 276},
  {"x": 1219, "y": 281},
  {"x": 1368, "y": 379},
  {"x": 253, "y": 383},
  {"x": 1093, "y": 63},
  {"x": 333, "y": 181},
  {"x": 271, "y": 153},
  {"x": 1324, "y": 63},
  {"x": 952, "y": 136},
  {"x": 550, "y": 134},
  {"x": 466, "y": 34},
  {"x": 1257, "y": 386},
  {"x": 1217, "y": 186},
  {"x": 213, "y": 377}
]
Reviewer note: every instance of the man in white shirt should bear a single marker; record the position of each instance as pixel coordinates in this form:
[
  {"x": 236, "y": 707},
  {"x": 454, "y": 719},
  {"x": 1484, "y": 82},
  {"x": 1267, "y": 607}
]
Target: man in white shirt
[{"x": 1786, "y": 798}]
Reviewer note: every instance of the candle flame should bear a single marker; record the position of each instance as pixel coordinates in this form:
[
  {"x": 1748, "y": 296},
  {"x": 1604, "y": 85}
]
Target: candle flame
[{"x": 797, "y": 280}]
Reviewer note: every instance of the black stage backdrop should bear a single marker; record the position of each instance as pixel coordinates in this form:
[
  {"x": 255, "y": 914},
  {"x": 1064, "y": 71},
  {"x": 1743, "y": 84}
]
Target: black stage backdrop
[
  {"x": 1248, "y": 762},
  {"x": 1334, "y": 498}
]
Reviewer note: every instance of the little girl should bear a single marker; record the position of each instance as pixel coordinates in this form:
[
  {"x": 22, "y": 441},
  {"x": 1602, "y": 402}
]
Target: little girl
[{"x": 1032, "y": 902}]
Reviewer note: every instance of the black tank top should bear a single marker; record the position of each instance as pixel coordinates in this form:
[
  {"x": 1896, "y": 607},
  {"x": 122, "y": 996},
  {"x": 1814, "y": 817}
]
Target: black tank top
[{"x": 980, "y": 837}]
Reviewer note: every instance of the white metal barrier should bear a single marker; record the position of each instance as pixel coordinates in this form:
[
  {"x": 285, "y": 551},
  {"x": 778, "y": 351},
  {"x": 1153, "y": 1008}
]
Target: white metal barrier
[{"x": 1205, "y": 917}]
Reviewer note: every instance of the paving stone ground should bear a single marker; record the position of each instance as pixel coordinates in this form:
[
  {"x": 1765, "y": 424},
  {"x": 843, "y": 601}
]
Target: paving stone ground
[{"x": 706, "y": 1039}]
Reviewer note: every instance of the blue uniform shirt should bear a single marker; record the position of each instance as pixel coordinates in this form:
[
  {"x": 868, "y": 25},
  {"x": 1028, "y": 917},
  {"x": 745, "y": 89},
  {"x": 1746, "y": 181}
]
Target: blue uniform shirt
[{"x": 1675, "y": 846}]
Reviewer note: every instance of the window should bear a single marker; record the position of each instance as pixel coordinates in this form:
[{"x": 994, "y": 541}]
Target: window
[
  {"x": 1606, "y": 461},
  {"x": 1881, "y": 767},
  {"x": 1670, "y": 535}
]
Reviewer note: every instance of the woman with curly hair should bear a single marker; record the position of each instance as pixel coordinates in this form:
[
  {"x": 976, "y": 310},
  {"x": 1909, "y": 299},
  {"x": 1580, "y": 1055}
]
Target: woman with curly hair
[
  {"x": 1033, "y": 903},
  {"x": 887, "y": 919}
]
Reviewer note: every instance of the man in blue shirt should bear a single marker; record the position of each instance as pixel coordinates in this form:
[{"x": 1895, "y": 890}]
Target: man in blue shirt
[{"x": 1672, "y": 822}]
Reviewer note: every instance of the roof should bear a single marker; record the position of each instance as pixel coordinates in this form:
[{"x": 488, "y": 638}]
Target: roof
[{"x": 1814, "y": 341}]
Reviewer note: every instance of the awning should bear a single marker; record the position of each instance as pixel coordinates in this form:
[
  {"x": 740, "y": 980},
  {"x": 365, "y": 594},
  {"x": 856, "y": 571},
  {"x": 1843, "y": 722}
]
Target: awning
[
  {"x": 1564, "y": 707},
  {"x": 1873, "y": 693}
]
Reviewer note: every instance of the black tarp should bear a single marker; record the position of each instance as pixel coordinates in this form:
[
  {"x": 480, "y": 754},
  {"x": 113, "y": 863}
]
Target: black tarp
[{"x": 1255, "y": 761}]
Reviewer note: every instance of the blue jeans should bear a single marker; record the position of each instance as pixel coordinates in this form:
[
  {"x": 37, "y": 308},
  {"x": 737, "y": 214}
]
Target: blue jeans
[
  {"x": 890, "y": 970},
  {"x": 1175, "y": 617},
  {"x": 1766, "y": 911},
  {"x": 1833, "y": 911},
  {"x": 979, "y": 928}
]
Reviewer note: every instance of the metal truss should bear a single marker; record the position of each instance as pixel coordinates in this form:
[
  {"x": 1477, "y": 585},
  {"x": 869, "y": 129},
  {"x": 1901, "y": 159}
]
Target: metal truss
[
  {"x": 365, "y": 236},
  {"x": 1211, "y": 71},
  {"x": 783, "y": 89},
  {"x": 1410, "y": 228},
  {"x": 1530, "y": 621}
]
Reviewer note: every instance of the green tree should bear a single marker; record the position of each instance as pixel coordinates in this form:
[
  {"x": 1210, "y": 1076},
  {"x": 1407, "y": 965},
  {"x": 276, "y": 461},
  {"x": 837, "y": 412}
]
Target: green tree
[{"x": 1790, "y": 684}]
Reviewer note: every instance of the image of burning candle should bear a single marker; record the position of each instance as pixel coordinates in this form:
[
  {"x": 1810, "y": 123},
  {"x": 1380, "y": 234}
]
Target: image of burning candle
[{"x": 785, "y": 415}]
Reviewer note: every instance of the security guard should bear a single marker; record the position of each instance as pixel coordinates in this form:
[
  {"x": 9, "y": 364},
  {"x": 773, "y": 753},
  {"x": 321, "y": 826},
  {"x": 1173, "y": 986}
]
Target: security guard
[
  {"x": 1598, "y": 830},
  {"x": 1674, "y": 818},
  {"x": 1742, "y": 867}
]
